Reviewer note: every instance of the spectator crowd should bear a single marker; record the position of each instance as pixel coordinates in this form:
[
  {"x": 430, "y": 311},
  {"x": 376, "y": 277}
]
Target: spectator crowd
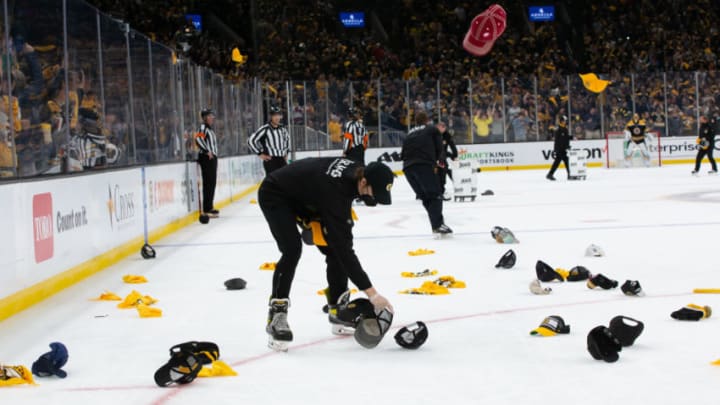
[{"x": 661, "y": 56}]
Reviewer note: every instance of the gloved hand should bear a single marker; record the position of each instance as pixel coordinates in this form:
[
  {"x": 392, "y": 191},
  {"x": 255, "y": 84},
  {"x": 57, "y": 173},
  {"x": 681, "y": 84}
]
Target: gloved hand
[{"x": 379, "y": 303}]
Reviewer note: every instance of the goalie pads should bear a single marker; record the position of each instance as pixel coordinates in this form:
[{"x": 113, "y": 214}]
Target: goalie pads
[{"x": 370, "y": 331}]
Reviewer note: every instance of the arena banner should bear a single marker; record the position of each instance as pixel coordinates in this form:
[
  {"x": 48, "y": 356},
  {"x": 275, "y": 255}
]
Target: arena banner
[
  {"x": 60, "y": 223},
  {"x": 166, "y": 190},
  {"x": 55, "y": 225},
  {"x": 677, "y": 148},
  {"x": 500, "y": 156},
  {"x": 531, "y": 155}
]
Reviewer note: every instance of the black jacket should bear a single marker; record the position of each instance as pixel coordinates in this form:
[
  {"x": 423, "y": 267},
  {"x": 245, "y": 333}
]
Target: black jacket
[
  {"x": 323, "y": 189},
  {"x": 423, "y": 145},
  {"x": 449, "y": 150},
  {"x": 707, "y": 131},
  {"x": 562, "y": 139}
]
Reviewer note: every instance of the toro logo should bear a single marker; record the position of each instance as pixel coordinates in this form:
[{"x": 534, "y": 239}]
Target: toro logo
[{"x": 43, "y": 226}]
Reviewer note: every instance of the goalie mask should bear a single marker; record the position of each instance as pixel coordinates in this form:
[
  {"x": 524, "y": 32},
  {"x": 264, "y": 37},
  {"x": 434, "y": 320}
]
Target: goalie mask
[{"x": 412, "y": 336}]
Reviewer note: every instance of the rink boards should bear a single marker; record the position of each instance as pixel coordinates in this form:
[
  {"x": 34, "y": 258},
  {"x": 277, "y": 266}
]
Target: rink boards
[{"x": 59, "y": 231}]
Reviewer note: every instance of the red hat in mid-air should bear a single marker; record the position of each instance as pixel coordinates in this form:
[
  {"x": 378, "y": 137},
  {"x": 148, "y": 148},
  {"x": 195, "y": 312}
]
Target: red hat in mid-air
[{"x": 484, "y": 30}]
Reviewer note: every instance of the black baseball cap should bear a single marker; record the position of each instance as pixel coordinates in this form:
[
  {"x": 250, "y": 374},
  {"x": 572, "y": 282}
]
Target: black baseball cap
[{"x": 381, "y": 178}]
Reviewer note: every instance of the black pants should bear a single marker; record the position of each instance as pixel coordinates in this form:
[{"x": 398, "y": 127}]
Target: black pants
[
  {"x": 273, "y": 164},
  {"x": 356, "y": 154},
  {"x": 560, "y": 157},
  {"x": 424, "y": 182},
  {"x": 281, "y": 218},
  {"x": 337, "y": 277},
  {"x": 208, "y": 168},
  {"x": 701, "y": 154}
]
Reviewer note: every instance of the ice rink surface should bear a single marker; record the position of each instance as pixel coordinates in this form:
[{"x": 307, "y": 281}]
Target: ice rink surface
[{"x": 657, "y": 225}]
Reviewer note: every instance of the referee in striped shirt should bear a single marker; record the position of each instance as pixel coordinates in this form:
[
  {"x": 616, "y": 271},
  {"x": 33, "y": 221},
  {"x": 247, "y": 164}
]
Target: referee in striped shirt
[
  {"x": 271, "y": 142},
  {"x": 355, "y": 139},
  {"x": 207, "y": 158}
]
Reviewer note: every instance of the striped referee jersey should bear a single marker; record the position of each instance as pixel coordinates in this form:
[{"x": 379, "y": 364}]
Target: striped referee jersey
[
  {"x": 272, "y": 141},
  {"x": 354, "y": 135},
  {"x": 206, "y": 139}
]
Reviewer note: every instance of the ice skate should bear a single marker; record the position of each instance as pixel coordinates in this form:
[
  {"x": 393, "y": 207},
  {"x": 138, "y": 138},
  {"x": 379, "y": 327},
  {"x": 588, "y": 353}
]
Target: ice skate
[
  {"x": 695, "y": 173},
  {"x": 550, "y": 177},
  {"x": 712, "y": 172},
  {"x": 337, "y": 325},
  {"x": 278, "y": 330},
  {"x": 442, "y": 231}
]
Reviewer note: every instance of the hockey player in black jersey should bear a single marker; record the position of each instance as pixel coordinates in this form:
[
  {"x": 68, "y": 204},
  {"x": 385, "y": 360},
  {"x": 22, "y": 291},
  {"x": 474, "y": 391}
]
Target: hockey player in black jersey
[
  {"x": 706, "y": 145},
  {"x": 560, "y": 147},
  {"x": 321, "y": 189}
]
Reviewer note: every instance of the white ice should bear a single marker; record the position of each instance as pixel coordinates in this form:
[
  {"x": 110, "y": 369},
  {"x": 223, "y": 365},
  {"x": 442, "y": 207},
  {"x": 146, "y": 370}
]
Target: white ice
[{"x": 657, "y": 225}]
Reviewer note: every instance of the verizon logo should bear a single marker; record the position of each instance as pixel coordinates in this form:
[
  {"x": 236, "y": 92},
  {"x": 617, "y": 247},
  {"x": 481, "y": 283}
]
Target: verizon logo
[{"x": 42, "y": 224}]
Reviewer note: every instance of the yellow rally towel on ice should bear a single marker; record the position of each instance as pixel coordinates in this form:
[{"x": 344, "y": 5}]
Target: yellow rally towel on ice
[
  {"x": 424, "y": 273},
  {"x": 420, "y": 252},
  {"x": 148, "y": 312},
  {"x": 449, "y": 282},
  {"x": 218, "y": 368},
  {"x": 107, "y": 296},
  {"x": 134, "y": 299},
  {"x": 322, "y": 292},
  {"x": 134, "y": 279},
  {"x": 427, "y": 288},
  {"x": 268, "y": 266},
  {"x": 15, "y": 375}
]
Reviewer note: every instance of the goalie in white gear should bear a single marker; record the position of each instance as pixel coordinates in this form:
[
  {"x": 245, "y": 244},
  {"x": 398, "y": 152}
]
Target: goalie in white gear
[{"x": 636, "y": 137}]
